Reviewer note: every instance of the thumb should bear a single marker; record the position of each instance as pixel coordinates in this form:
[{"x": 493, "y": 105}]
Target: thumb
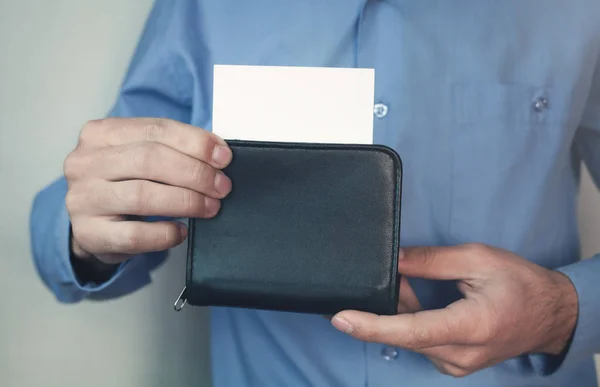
[{"x": 441, "y": 263}]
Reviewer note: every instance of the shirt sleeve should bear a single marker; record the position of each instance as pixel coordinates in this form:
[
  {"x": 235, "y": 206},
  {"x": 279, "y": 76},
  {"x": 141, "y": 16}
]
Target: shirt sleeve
[
  {"x": 158, "y": 83},
  {"x": 584, "y": 274}
]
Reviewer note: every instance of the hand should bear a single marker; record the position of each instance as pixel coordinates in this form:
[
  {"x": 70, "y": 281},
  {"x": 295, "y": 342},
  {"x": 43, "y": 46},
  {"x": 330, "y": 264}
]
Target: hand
[
  {"x": 510, "y": 307},
  {"x": 123, "y": 168}
]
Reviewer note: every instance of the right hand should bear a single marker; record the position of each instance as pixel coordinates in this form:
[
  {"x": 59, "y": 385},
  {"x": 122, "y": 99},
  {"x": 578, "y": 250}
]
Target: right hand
[{"x": 128, "y": 167}]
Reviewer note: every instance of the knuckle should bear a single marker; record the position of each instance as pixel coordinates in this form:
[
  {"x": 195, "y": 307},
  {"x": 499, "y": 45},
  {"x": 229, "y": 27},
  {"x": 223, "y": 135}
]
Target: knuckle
[
  {"x": 130, "y": 239},
  {"x": 77, "y": 199},
  {"x": 202, "y": 147},
  {"x": 116, "y": 126},
  {"x": 201, "y": 173},
  {"x": 470, "y": 360},
  {"x": 71, "y": 201},
  {"x": 192, "y": 202},
  {"x": 82, "y": 234},
  {"x": 458, "y": 372},
  {"x": 155, "y": 128},
  {"x": 477, "y": 360},
  {"x": 106, "y": 197},
  {"x": 71, "y": 166},
  {"x": 115, "y": 156},
  {"x": 443, "y": 367},
  {"x": 451, "y": 369},
  {"x": 428, "y": 255},
  {"x": 417, "y": 338},
  {"x": 90, "y": 129},
  {"x": 142, "y": 155},
  {"x": 476, "y": 249},
  {"x": 137, "y": 197}
]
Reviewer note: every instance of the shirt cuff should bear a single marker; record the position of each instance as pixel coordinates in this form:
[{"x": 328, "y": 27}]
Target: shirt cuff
[{"x": 585, "y": 341}]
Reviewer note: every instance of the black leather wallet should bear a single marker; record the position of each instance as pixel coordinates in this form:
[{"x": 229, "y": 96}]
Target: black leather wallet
[{"x": 308, "y": 228}]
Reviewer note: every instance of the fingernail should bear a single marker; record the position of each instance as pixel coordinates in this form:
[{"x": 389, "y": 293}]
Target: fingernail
[
  {"x": 401, "y": 254},
  {"x": 211, "y": 207},
  {"x": 221, "y": 155},
  {"x": 343, "y": 325},
  {"x": 183, "y": 231},
  {"x": 222, "y": 183}
]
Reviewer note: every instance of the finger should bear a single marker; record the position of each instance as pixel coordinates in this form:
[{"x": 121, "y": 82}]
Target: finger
[
  {"x": 156, "y": 162},
  {"x": 447, "y": 368},
  {"x": 465, "y": 357},
  {"x": 441, "y": 263},
  {"x": 104, "y": 236},
  {"x": 147, "y": 198},
  {"x": 113, "y": 258},
  {"x": 424, "y": 329},
  {"x": 193, "y": 141},
  {"x": 408, "y": 300}
]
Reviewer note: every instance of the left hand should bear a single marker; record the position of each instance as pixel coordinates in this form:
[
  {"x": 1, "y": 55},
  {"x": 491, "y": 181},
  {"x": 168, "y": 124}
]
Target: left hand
[{"x": 510, "y": 307}]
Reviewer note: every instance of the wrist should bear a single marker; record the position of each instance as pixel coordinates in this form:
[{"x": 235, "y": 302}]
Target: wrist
[{"x": 564, "y": 312}]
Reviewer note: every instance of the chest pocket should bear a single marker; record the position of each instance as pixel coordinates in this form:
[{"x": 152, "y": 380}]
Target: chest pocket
[
  {"x": 509, "y": 104},
  {"x": 508, "y": 142}
]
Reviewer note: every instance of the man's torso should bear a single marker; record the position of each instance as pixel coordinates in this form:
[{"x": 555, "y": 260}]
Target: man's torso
[{"x": 482, "y": 101}]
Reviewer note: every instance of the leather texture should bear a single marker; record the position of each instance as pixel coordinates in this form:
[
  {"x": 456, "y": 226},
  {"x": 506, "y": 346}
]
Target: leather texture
[{"x": 308, "y": 228}]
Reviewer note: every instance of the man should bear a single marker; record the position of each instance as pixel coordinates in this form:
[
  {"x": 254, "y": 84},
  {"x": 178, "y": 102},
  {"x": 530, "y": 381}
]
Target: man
[{"x": 492, "y": 106}]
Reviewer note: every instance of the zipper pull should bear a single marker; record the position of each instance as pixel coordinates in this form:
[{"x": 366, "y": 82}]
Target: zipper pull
[{"x": 181, "y": 301}]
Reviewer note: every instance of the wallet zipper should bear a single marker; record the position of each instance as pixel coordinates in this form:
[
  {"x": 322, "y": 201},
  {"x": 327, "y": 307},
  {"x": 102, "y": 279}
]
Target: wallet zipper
[{"x": 181, "y": 300}]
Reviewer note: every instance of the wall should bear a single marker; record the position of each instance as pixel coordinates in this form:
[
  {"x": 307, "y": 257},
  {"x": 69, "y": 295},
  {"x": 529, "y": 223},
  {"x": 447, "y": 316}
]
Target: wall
[{"x": 62, "y": 62}]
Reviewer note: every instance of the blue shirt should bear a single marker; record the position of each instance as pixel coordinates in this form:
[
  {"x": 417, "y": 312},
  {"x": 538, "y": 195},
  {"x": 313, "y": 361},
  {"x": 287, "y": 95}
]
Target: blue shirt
[{"x": 491, "y": 104}]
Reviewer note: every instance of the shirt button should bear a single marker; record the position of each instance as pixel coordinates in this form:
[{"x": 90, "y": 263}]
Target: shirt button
[
  {"x": 540, "y": 104},
  {"x": 380, "y": 110},
  {"x": 389, "y": 353}
]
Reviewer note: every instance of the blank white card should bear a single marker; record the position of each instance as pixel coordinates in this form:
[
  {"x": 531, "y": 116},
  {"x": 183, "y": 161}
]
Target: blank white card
[{"x": 293, "y": 104}]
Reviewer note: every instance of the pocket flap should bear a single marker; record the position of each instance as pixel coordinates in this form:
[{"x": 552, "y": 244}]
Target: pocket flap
[{"x": 510, "y": 103}]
